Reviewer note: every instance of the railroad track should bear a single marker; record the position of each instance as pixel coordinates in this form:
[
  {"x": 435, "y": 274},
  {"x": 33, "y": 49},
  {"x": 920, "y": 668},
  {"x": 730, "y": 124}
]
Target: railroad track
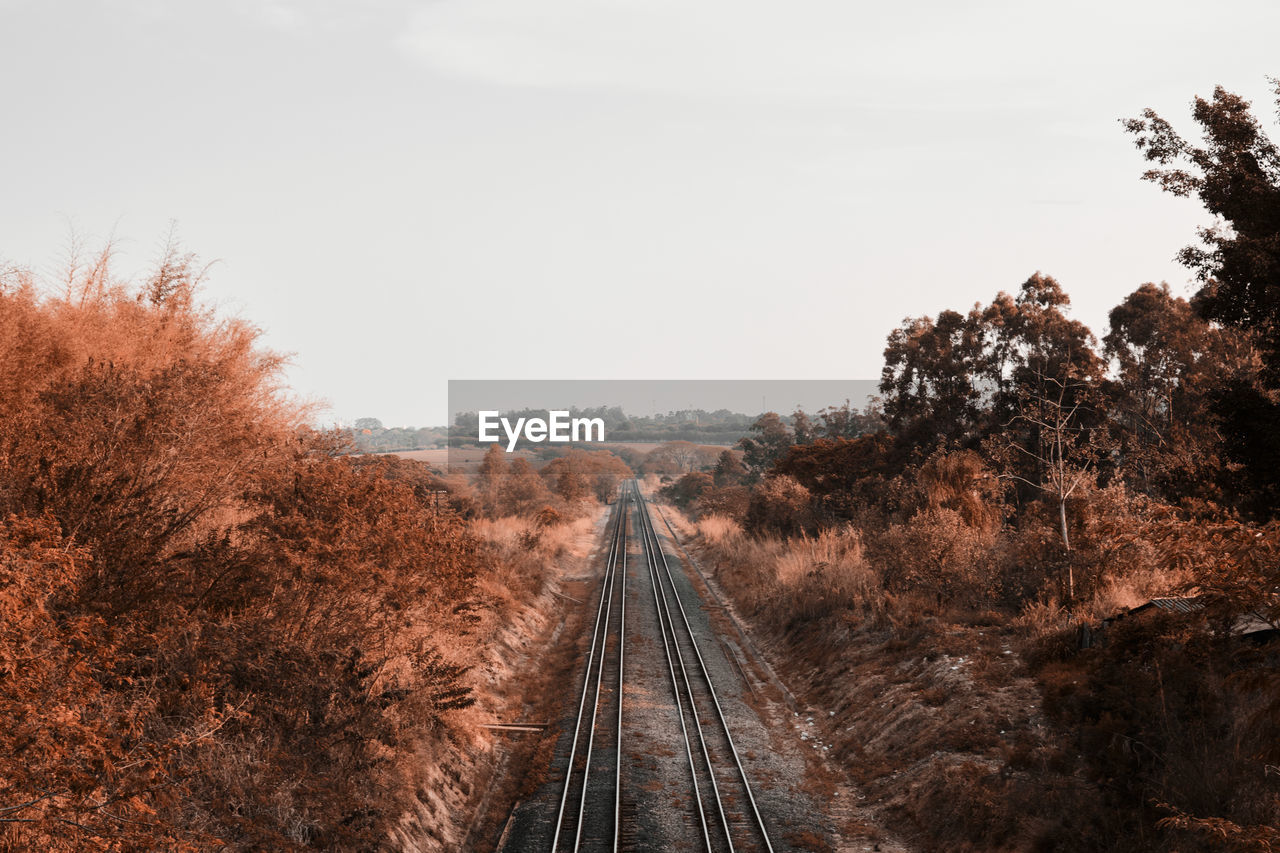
[
  {"x": 590, "y": 814},
  {"x": 728, "y": 817},
  {"x": 597, "y": 808}
]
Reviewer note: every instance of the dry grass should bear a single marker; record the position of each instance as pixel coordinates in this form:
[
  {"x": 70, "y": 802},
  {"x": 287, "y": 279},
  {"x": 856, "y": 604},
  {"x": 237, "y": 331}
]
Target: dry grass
[
  {"x": 1115, "y": 593},
  {"x": 717, "y": 529},
  {"x": 1046, "y": 616},
  {"x": 802, "y": 578},
  {"x": 507, "y": 671},
  {"x": 836, "y": 552},
  {"x": 521, "y": 553},
  {"x": 513, "y": 535},
  {"x": 1043, "y": 617},
  {"x": 922, "y": 710}
]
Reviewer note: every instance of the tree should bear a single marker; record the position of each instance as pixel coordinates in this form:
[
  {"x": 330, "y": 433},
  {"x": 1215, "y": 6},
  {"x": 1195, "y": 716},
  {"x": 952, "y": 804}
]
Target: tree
[
  {"x": 847, "y": 475},
  {"x": 771, "y": 441},
  {"x": 844, "y": 421},
  {"x": 780, "y": 505},
  {"x": 489, "y": 480},
  {"x": 802, "y": 427},
  {"x": 523, "y": 491},
  {"x": 1056, "y": 451},
  {"x": 580, "y": 473},
  {"x": 729, "y": 470},
  {"x": 957, "y": 378},
  {"x": 932, "y": 370},
  {"x": 571, "y": 486},
  {"x": 1037, "y": 346},
  {"x": 1169, "y": 363},
  {"x": 678, "y": 457},
  {"x": 685, "y": 491},
  {"x": 1235, "y": 173}
]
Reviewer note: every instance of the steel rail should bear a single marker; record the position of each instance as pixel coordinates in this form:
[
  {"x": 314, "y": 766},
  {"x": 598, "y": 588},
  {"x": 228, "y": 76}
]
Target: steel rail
[
  {"x": 651, "y": 531},
  {"x": 599, "y": 632},
  {"x": 668, "y": 627},
  {"x": 591, "y": 732},
  {"x": 622, "y": 656}
]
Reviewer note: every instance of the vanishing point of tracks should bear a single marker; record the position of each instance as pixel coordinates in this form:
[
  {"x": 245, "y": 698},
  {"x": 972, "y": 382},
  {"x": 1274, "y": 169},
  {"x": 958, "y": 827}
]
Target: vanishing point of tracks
[{"x": 597, "y": 808}]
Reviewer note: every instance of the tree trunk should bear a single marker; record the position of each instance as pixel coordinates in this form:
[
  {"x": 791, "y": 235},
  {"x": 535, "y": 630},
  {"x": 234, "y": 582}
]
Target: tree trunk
[
  {"x": 1066, "y": 542},
  {"x": 1062, "y": 518}
]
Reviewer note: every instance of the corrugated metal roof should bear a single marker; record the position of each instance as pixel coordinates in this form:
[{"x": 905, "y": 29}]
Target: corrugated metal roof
[{"x": 1173, "y": 605}]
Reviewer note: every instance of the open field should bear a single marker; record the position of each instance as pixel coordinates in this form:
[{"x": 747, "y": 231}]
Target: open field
[{"x": 468, "y": 458}]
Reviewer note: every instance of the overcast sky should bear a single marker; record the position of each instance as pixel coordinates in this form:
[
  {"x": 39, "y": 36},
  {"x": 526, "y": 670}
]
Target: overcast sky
[{"x": 401, "y": 193}]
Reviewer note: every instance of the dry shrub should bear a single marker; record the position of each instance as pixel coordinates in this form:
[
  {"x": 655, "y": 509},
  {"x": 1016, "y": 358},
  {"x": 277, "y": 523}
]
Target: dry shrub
[
  {"x": 1117, "y": 592},
  {"x": 716, "y": 530},
  {"x": 731, "y": 501},
  {"x": 1173, "y": 721},
  {"x": 837, "y": 550},
  {"x": 938, "y": 553},
  {"x": 960, "y": 480},
  {"x": 685, "y": 491},
  {"x": 513, "y": 553},
  {"x": 567, "y": 537},
  {"x": 215, "y": 630},
  {"x": 780, "y": 505},
  {"x": 825, "y": 574},
  {"x": 518, "y": 553},
  {"x": 800, "y": 580},
  {"x": 1043, "y": 617},
  {"x": 747, "y": 565}
]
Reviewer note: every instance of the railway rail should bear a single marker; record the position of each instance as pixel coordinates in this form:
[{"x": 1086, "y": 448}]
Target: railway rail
[
  {"x": 728, "y": 815},
  {"x": 597, "y": 806},
  {"x": 603, "y": 682}
]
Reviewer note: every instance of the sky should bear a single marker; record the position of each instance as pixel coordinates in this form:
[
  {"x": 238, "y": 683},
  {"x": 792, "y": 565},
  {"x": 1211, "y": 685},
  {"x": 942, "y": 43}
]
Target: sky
[{"x": 402, "y": 193}]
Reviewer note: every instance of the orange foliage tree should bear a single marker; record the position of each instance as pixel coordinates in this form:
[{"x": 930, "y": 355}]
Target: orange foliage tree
[{"x": 215, "y": 629}]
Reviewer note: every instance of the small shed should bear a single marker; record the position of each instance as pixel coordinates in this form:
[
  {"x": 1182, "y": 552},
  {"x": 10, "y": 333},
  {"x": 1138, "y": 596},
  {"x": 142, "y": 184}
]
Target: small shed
[
  {"x": 1089, "y": 636},
  {"x": 1251, "y": 625}
]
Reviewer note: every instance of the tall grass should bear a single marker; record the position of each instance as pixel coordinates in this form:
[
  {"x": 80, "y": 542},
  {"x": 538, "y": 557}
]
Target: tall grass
[
  {"x": 795, "y": 580},
  {"x": 519, "y": 551}
]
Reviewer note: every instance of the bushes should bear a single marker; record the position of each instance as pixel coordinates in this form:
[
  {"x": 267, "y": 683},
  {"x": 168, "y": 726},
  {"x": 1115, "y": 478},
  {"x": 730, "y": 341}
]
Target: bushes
[
  {"x": 685, "y": 491},
  {"x": 940, "y": 555},
  {"x": 805, "y": 579},
  {"x": 825, "y": 575},
  {"x": 585, "y": 474},
  {"x": 780, "y": 505},
  {"x": 215, "y": 631},
  {"x": 727, "y": 501},
  {"x": 1177, "y": 728}
]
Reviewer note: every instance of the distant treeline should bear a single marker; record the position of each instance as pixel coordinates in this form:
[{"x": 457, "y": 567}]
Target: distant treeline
[
  {"x": 696, "y": 425},
  {"x": 368, "y": 435}
]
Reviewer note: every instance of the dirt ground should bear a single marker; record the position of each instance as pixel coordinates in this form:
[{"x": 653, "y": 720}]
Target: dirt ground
[{"x": 515, "y": 681}]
